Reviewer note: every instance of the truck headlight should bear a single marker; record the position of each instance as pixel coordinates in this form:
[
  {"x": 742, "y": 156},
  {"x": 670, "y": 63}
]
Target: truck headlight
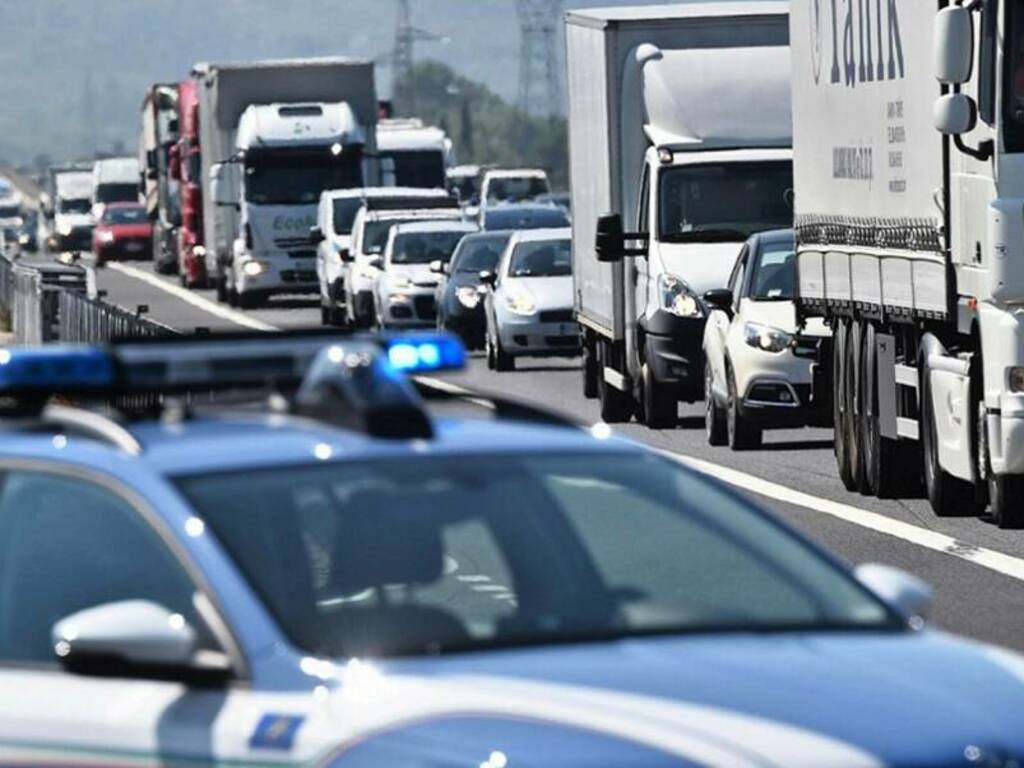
[
  {"x": 677, "y": 298},
  {"x": 254, "y": 268},
  {"x": 468, "y": 296},
  {"x": 106, "y": 236},
  {"x": 766, "y": 338},
  {"x": 521, "y": 303},
  {"x": 1015, "y": 376}
]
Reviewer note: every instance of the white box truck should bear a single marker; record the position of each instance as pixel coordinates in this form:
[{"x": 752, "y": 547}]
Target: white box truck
[
  {"x": 909, "y": 165},
  {"x": 273, "y": 136},
  {"x": 680, "y": 134}
]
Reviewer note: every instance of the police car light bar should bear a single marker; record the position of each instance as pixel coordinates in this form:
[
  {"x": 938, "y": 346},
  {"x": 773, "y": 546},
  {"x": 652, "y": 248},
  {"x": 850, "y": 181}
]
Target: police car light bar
[{"x": 208, "y": 362}]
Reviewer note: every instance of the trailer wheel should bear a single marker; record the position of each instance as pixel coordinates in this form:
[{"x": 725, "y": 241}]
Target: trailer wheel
[
  {"x": 840, "y": 411},
  {"x": 949, "y": 496},
  {"x": 883, "y": 460},
  {"x": 590, "y": 367},
  {"x": 616, "y": 405}
]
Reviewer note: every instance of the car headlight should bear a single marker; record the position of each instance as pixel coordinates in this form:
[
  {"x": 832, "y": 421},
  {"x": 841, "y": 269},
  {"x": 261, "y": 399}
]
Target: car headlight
[
  {"x": 199, "y": 251},
  {"x": 106, "y": 236},
  {"x": 677, "y": 298},
  {"x": 401, "y": 283},
  {"x": 254, "y": 268},
  {"x": 468, "y": 296},
  {"x": 766, "y": 338},
  {"x": 398, "y": 298},
  {"x": 24, "y": 239},
  {"x": 64, "y": 229},
  {"x": 521, "y": 303},
  {"x": 1016, "y": 378}
]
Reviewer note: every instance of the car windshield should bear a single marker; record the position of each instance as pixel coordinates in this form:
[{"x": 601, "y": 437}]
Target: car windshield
[
  {"x": 432, "y": 555},
  {"x": 724, "y": 201},
  {"x": 424, "y": 247},
  {"x": 515, "y": 189},
  {"x": 546, "y": 258},
  {"x": 547, "y": 217},
  {"x": 75, "y": 205},
  {"x": 476, "y": 254},
  {"x": 124, "y": 192},
  {"x": 286, "y": 178},
  {"x": 375, "y": 234},
  {"x": 345, "y": 210},
  {"x": 125, "y": 215},
  {"x": 423, "y": 169},
  {"x": 774, "y": 274}
]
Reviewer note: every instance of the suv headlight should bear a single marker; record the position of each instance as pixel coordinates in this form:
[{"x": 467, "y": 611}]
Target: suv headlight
[
  {"x": 468, "y": 296},
  {"x": 766, "y": 338},
  {"x": 521, "y": 303},
  {"x": 677, "y": 298}
]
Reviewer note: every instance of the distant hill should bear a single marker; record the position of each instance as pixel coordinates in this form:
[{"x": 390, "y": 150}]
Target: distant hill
[{"x": 72, "y": 72}]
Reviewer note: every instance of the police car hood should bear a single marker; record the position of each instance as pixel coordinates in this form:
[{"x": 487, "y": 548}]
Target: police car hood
[{"x": 849, "y": 699}]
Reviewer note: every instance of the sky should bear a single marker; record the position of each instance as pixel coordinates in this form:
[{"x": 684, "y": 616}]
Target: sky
[{"x": 72, "y": 72}]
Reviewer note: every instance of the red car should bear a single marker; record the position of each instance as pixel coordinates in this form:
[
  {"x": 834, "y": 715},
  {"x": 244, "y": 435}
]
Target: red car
[{"x": 123, "y": 232}]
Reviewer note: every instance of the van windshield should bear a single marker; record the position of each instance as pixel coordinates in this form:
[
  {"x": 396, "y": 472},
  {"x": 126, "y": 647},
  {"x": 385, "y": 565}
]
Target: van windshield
[
  {"x": 77, "y": 205},
  {"x": 122, "y": 192},
  {"x": 724, "y": 201}
]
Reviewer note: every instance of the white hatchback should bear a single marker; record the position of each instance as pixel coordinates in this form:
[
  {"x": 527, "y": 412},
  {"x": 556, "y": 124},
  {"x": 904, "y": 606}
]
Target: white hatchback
[{"x": 760, "y": 366}]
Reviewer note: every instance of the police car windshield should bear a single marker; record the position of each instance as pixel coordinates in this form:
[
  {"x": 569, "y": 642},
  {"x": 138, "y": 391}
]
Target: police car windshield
[{"x": 428, "y": 555}]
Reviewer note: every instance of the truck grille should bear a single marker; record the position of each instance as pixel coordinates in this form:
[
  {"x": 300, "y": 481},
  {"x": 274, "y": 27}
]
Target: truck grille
[{"x": 288, "y": 243}]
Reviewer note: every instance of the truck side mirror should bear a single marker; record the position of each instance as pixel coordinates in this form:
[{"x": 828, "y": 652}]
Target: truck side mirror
[
  {"x": 955, "y": 114},
  {"x": 316, "y": 235},
  {"x": 610, "y": 243},
  {"x": 953, "y": 50}
]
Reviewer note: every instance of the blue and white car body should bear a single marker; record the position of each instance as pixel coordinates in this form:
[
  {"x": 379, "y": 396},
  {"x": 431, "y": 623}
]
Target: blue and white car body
[{"x": 900, "y": 696}]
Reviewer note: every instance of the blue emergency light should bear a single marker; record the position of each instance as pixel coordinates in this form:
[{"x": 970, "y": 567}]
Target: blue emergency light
[
  {"x": 51, "y": 369},
  {"x": 425, "y": 353}
]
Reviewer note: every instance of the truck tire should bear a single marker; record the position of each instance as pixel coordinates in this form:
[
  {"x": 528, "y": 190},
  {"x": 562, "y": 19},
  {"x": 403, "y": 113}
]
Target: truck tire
[
  {"x": 590, "y": 368},
  {"x": 1006, "y": 495},
  {"x": 221, "y": 285},
  {"x": 855, "y": 407},
  {"x": 714, "y": 415},
  {"x": 883, "y": 460},
  {"x": 840, "y": 411},
  {"x": 949, "y": 496},
  {"x": 616, "y": 405},
  {"x": 743, "y": 434},
  {"x": 660, "y": 409}
]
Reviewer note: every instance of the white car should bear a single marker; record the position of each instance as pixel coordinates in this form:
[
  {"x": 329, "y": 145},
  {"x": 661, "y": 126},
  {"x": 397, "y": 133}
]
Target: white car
[
  {"x": 335, "y": 218},
  {"x": 513, "y": 185},
  {"x": 529, "y": 303},
  {"x": 405, "y": 290},
  {"x": 759, "y": 370}
]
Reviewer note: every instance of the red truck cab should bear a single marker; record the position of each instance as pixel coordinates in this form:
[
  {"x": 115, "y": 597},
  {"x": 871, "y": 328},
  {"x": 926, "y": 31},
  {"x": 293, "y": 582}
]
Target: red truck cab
[
  {"x": 186, "y": 167},
  {"x": 124, "y": 231}
]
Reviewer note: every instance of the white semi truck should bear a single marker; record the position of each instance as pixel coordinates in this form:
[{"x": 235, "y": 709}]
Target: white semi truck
[
  {"x": 909, "y": 165},
  {"x": 679, "y": 134},
  {"x": 273, "y": 136}
]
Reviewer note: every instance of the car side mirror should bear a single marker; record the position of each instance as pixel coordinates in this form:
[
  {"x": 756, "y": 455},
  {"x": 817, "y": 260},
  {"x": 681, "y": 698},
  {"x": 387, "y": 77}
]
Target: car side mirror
[
  {"x": 376, "y": 261},
  {"x": 955, "y": 114},
  {"x": 488, "y": 278},
  {"x": 437, "y": 267},
  {"x": 907, "y": 594},
  {"x": 134, "y": 638},
  {"x": 316, "y": 235},
  {"x": 719, "y": 298},
  {"x": 345, "y": 255},
  {"x": 610, "y": 242}
]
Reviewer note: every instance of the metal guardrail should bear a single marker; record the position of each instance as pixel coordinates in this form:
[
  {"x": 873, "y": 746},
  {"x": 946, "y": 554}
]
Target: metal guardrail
[{"x": 81, "y": 319}]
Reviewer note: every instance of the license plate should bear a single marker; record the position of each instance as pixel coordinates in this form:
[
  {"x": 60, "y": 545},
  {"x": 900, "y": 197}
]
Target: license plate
[{"x": 133, "y": 247}]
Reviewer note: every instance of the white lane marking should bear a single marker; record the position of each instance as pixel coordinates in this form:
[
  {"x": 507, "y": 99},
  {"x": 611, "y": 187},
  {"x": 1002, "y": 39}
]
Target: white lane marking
[
  {"x": 491, "y": 588},
  {"x": 1006, "y": 565},
  {"x": 210, "y": 307},
  {"x": 479, "y": 577},
  {"x": 1001, "y": 563}
]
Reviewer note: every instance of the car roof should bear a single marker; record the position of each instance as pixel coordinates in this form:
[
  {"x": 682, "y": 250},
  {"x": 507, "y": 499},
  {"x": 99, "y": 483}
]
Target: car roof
[
  {"x": 776, "y": 236},
  {"x": 374, "y": 193},
  {"x": 448, "y": 214},
  {"x": 534, "y": 235},
  {"x": 514, "y": 173},
  {"x": 434, "y": 226}
]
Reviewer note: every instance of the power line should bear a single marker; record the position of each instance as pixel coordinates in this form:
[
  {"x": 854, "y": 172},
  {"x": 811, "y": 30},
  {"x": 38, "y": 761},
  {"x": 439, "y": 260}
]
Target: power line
[
  {"x": 402, "y": 58},
  {"x": 540, "y": 86}
]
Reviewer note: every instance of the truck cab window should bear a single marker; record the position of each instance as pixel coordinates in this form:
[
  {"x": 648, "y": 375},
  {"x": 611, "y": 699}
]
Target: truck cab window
[
  {"x": 644, "y": 206},
  {"x": 987, "y": 62},
  {"x": 1013, "y": 91}
]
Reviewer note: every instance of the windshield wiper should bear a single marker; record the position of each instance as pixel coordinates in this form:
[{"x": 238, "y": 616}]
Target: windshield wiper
[{"x": 709, "y": 235}]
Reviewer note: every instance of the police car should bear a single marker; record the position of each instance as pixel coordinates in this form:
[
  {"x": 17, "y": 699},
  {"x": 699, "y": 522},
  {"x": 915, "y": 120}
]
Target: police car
[{"x": 275, "y": 553}]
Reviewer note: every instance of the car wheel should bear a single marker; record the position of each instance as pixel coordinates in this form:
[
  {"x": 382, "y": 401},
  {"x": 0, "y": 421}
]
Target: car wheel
[
  {"x": 222, "y": 289},
  {"x": 715, "y": 425},
  {"x": 503, "y": 361},
  {"x": 325, "y": 316},
  {"x": 660, "y": 407},
  {"x": 743, "y": 435},
  {"x": 489, "y": 349},
  {"x": 248, "y": 300}
]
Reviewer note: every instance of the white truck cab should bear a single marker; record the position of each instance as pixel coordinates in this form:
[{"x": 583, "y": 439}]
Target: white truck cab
[
  {"x": 688, "y": 158},
  {"x": 419, "y": 154},
  {"x": 115, "y": 180},
  {"x": 287, "y": 155},
  {"x": 72, "y": 211}
]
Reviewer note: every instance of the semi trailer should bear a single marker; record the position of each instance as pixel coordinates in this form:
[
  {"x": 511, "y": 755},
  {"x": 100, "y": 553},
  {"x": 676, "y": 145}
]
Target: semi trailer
[{"x": 158, "y": 133}]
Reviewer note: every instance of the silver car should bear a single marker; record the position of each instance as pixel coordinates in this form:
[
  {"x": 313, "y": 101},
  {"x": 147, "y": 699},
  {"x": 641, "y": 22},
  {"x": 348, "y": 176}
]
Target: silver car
[{"x": 529, "y": 303}]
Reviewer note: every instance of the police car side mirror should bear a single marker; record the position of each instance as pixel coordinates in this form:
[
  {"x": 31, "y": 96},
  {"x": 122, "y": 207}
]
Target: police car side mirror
[
  {"x": 907, "y": 594},
  {"x": 134, "y": 639}
]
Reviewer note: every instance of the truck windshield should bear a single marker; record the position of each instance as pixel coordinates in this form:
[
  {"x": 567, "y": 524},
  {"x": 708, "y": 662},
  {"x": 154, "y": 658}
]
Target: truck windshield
[
  {"x": 123, "y": 192},
  {"x": 287, "y": 179},
  {"x": 1014, "y": 79},
  {"x": 385, "y": 558},
  {"x": 724, "y": 201},
  {"x": 546, "y": 258},
  {"x": 423, "y": 169},
  {"x": 78, "y": 205},
  {"x": 9, "y": 212}
]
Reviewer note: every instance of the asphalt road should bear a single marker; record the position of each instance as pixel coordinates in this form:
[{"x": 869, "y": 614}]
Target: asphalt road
[{"x": 976, "y": 569}]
